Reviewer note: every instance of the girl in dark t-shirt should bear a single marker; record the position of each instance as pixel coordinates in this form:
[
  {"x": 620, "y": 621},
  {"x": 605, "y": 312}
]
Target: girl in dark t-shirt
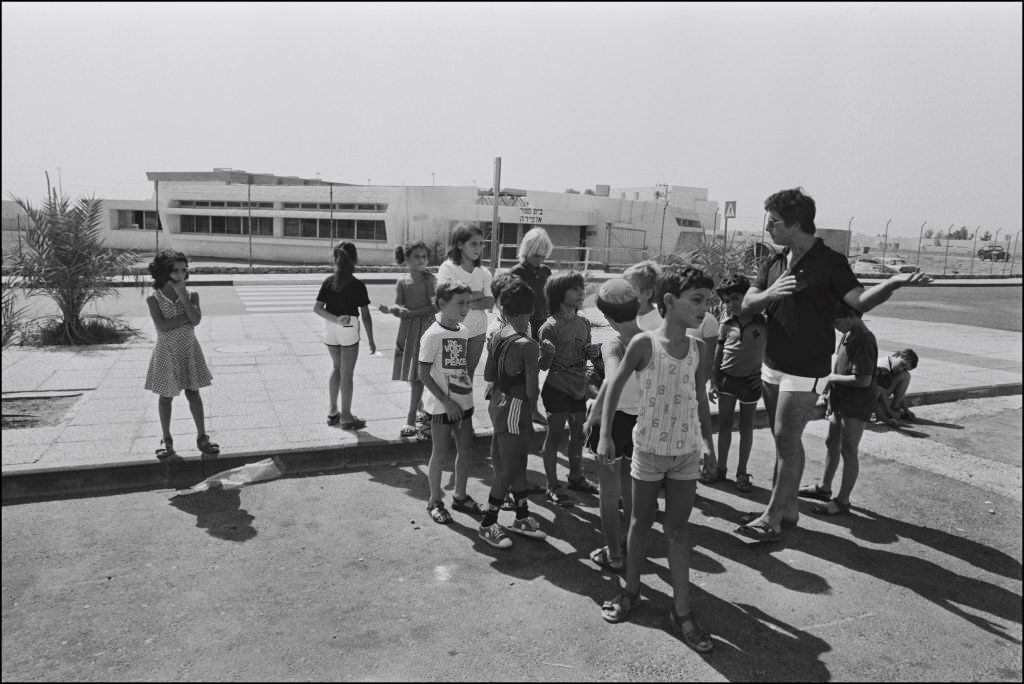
[{"x": 341, "y": 302}]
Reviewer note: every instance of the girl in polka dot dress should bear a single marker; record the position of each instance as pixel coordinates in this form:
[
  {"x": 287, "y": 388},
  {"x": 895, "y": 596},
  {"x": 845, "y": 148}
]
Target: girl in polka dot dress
[{"x": 177, "y": 363}]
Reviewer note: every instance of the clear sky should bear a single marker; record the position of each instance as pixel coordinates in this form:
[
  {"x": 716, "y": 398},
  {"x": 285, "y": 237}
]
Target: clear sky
[{"x": 879, "y": 110}]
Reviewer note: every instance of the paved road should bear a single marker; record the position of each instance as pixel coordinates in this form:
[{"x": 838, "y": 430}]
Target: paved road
[
  {"x": 345, "y": 577},
  {"x": 985, "y": 307}
]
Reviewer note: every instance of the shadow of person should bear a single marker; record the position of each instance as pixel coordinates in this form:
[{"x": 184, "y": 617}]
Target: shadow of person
[
  {"x": 870, "y": 526},
  {"x": 943, "y": 587},
  {"x": 901, "y": 429},
  {"x": 925, "y": 422},
  {"x": 219, "y": 512}
]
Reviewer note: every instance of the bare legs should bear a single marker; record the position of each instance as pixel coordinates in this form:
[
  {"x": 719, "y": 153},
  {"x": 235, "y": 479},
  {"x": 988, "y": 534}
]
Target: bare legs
[
  {"x": 791, "y": 411},
  {"x": 340, "y": 381},
  {"x": 415, "y": 398},
  {"x": 442, "y": 446},
  {"x": 844, "y": 435}
]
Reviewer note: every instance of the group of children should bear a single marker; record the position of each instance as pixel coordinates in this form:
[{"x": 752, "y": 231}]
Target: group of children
[{"x": 648, "y": 426}]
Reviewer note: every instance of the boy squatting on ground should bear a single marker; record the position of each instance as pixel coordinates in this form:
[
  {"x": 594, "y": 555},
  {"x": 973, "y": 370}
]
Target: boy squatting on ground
[
  {"x": 851, "y": 393},
  {"x": 617, "y": 300},
  {"x": 515, "y": 365},
  {"x": 736, "y": 375},
  {"x": 667, "y": 441},
  {"x": 893, "y": 379}
]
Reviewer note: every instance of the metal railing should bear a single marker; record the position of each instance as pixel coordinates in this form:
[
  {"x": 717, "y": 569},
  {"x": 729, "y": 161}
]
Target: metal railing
[{"x": 564, "y": 258}]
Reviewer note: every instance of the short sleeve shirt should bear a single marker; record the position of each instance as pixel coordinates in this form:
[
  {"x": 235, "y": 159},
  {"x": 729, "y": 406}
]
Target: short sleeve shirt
[
  {"x": 801, "y": 337},
  {"x": 446, "y": 350},
  {"x": 536, "y": 278},
  {"x": 743, "y": 346},
  {"x": 857, "y": 355},
  {"x": 571, "y": 338},
  {"x": 479, "y": 281},
  {"x": 347, "y": 300}
]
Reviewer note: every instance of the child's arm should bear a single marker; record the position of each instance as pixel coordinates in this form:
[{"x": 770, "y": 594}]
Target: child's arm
[
  {"x": 531, "y": 355},
  {"x": 164, "y": 324},
  {"x": 638, "y": 354},
  {"x": 190, "y": 301},
  {"x": 368, "y": 324},
  {"x": 612, "y": 352},
  {"x": 482, "y": 299},
  {"x": 704, "y": 410},
  {"x": 716, "y": 369},
  {"x": 451, "y": 409},
  {"x": 547, "y": 346},
  {"x": 399, "y": 308}
]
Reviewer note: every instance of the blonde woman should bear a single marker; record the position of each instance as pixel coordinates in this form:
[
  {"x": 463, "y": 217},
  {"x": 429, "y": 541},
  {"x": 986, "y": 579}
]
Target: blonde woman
[{"x": 535, "y": 248}]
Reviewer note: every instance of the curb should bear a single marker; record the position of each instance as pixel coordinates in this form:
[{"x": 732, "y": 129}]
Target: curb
[{"x": 104, "y": 479}]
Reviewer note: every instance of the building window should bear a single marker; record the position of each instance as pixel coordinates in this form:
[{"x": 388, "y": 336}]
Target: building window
[
  {"x": 687, "y": 223},
  {"x": 138, "y": 220}
]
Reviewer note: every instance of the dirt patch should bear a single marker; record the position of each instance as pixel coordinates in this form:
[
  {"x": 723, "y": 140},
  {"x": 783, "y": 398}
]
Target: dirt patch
[{"x": 36, "y": 411}]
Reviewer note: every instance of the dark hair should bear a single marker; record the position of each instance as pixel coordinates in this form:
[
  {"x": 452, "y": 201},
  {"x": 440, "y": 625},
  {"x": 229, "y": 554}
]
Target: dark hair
[
  {"x": 500, "y": 282},
  {"x": 908, "y": 355},
  {"x": 403, "y": 252},
  {"x": 460, "y": 234},
  {"x": 448, "y": 288},
  {"x": 558, "y": 285},
  {"x": 844, "y": 310},
  {"x": 793, "y": 206},
  {"x": 516, "y": 298},
  {"x": 162, "y": 265},
  {"x": 675, "y": 279},
  {"x": 734, "y": 282},
  {"x": 345, "y": 260}
]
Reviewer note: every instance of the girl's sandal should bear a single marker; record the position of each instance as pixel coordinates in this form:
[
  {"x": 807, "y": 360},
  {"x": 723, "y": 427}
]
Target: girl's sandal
[
  {"x": 619, "y": 608},
  {"x": 166, "y": 449},
  {"x": 601, "y": 557},
  {"x": 333, "y": 418},
  {"x": 695, "y": 637},
  {"x": 408, "y": 431},
  {"x": 438, "y": 513},
  {"x": 743, "y": 482},
  {"x": 206, "y": 446}
]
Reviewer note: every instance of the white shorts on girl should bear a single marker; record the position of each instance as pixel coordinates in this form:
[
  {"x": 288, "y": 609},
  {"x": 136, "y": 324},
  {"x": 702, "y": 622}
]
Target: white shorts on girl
[{"x": 344, "y": 333}]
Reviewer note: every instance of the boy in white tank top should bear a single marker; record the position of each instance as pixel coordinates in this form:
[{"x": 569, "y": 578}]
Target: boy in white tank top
[{"x": 672, "y": 429}]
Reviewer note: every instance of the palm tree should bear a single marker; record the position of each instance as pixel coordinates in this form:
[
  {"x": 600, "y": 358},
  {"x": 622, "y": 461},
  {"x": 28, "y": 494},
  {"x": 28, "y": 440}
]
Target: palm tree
[{"x": 65, "y": 258}]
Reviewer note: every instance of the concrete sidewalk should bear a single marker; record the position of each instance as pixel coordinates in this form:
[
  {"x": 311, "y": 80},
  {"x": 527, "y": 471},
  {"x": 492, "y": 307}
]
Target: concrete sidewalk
[{"x": 268, "y": 398}]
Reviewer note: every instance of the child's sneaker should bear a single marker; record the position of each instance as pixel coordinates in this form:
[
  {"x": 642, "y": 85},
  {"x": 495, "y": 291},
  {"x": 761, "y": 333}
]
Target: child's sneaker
[
  {"x": 494, "y": 535},
  {"x": 528, "y": 527},
  {"x": 558, "y": 497}
]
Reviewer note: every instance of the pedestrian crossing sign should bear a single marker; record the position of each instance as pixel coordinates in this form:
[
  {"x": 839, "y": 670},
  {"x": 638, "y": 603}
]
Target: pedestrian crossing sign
[{"x": 730, "y": 210}]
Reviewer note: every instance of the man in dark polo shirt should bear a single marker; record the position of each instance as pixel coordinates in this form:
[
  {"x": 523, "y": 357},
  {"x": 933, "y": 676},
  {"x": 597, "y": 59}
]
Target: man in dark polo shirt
[{"x": 799, "y": 291}]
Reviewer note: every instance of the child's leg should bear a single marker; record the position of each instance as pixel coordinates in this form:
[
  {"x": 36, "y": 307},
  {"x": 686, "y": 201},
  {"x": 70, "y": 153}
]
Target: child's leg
[
  {"x": 463, "y": 455},
  {"x": 195, "y": 405},
  {"x": 900, "y": 383},
  {"x": 348, "y": 356},
  {"x": 556, "y": 430},
  {"x": 645, "y": 506},
  {"x": 575, "y": 450},
  {"x": 415, "y": 396},
  {"x": 833, "y": 444},
  {"x": 608, "y": 477},
  {"x": 726, "y": 411},
  {"x": 334, "y": 381},
  {"x": 474, "y": 350},
  {"x": 678, "y": 505},
  {"x": 440, "y": 448},
  {"x": 852, "y": 430},
  {"x": 164, "y": 409},
  {"x": 747, "y": 415},
  {"x": 504, "y": 461}
]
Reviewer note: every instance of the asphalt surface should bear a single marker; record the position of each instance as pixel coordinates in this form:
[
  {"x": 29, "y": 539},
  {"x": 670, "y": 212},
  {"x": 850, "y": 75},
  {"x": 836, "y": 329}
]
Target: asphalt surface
[{"x": 345, "y": 577}]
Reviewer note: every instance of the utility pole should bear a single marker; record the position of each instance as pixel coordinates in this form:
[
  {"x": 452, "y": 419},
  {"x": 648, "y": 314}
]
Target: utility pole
[
  {"x": 849, "y": 234},
  {"x": 496, "y": 219},
  {"x": 156, "y": 205},
  {"x": 945, "y": 260},
  {"x": 885, "y": 243},
  {"x": 248, "y": 180},
  {"x": 974, "y": 247},
  {"x": 664, "y": 211},
  {"x": 920, "y": 234}
]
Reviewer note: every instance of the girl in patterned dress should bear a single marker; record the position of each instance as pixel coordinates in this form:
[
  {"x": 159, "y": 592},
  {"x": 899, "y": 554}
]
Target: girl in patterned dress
[
  {"x": 414, "y": 307},
  {"x": 177, "y": 363}
]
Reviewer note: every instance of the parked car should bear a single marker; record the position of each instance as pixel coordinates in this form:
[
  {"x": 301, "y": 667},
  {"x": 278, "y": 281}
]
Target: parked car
[
  {"x": 900, "y": 265},
  {"x": 993, "y": 253},
  {"x": 870, "y": 266}
]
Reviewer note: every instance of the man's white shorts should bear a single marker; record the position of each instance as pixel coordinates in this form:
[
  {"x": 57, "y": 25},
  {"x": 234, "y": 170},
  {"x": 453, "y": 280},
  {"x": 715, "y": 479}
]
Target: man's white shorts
[{"x": 791, "y": 383}]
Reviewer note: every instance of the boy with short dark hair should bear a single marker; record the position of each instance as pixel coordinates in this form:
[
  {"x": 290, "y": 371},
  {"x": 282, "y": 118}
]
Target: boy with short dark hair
[
  {"x": 893, "y": 379},
  {"x": 851, "y": 392},
  {"x": 736, "y": 375},
  {"x": 565, "y": 388},
  {"x": 515, "y": 365},
  {"x": 617, "y": 300}
]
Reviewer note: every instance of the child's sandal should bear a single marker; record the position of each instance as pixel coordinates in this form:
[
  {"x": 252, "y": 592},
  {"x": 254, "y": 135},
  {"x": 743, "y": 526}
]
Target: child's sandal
[
  {"x": 408, "y": 431},
  {"x": 166, "y": 449},
  {"x": 743, "y": 482},
  {"x": 206, "y": 446},
  {"x": 438, "y": 513},
  {"x": 695, "y": 637}
]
